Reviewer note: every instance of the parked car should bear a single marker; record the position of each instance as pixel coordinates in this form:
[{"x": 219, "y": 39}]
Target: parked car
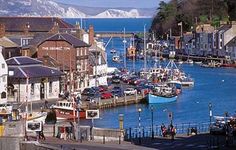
[
  {"x": 116, "y": 80},
  {"x": 142, "y": 89},
  {"x": 130, "y": 91},
  {"x": 117, "y": 89},
  {"x": 102, "y": 88},
  {"x": 117, "y": 93},
  {"x": 88, "y": 91},
  {"x": 106, "y": 95}
]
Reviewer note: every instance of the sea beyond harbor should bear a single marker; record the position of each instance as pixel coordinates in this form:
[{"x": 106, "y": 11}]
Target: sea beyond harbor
[{"x": 215, "y": 85}]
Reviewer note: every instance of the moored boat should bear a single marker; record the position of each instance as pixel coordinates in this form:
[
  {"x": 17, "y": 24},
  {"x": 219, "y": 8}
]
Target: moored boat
[
  {"x": 67, "y": 110},
  {"x": 162, "y": 93},
  {"x": 116, "y": 58},
  {"x": 155, "y": 99},
  {"x": 113, "y": 51}
]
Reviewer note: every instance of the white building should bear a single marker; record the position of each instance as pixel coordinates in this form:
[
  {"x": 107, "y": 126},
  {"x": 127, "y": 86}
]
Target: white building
[
  {"x": 30, "y": 80},
  {"x": 3, "y": 78},
  {"x": 98, "y": 63}
]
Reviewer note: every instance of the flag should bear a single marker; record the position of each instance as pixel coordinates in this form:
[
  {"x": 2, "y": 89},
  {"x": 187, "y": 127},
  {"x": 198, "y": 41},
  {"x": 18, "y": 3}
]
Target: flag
[{"x": 180, "y": 24}]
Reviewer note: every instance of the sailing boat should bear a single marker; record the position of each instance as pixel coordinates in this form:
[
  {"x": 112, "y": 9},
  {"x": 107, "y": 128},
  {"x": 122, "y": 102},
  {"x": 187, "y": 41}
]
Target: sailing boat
[
  {"x": 116, "y": 58},
  {"x": 113, "y": 51}
]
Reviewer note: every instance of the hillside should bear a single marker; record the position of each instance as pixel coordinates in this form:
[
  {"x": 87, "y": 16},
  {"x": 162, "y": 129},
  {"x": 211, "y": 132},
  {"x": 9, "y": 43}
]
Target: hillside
[{"x": 191, "y": 13}]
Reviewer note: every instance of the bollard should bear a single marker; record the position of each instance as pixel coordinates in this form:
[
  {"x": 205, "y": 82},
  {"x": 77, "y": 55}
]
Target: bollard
[
  {"x": 103, "y": 139},
  {"x": 119, "y": 139}
]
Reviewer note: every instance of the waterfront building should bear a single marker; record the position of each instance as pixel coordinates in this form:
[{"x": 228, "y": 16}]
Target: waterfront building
[
  {"x": 203, "y": 36},
  {"x": 72, "y": 53},
  {"x": 224, "y": 35},
  {"x": 188, "y": 43},
  {"x": 98, "y": 65},
  {"x": 3, "y": 78},
  {"x": 9, "y": 48},
  {"x": 29, "y": 79}
]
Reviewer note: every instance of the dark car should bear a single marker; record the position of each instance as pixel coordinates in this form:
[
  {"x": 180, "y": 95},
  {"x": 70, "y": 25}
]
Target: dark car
[
  {"x": 88, "y": 91},
  {"x": 117, "y": 89},
  {"x": 116, "y": 80},
  {"x": 117, "y": 93}
]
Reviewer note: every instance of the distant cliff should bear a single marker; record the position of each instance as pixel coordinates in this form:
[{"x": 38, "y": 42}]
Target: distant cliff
[
  {"x": 191, "y": 13},
  {"x": 52, "y": 8}
]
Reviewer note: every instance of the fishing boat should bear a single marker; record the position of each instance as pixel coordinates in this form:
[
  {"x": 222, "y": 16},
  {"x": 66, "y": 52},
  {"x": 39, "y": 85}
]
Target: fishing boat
[
  {"x": 162, "y": 94},
  {"x": 67, "y": 110}
]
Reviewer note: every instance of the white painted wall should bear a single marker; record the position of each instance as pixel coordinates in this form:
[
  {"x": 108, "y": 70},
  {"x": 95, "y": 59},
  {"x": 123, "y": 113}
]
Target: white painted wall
[
  {"x": 36, "y": 95},
  {"x": 3, "y": 77},
  {"x": 86, "y": 38}
]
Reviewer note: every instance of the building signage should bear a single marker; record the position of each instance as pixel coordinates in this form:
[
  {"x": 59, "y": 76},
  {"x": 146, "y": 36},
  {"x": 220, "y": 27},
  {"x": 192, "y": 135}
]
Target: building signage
[
  {"x": 92, "y": 114},
  {"x": 56, "y": 48},
  {"x": 33, "y": 126}
]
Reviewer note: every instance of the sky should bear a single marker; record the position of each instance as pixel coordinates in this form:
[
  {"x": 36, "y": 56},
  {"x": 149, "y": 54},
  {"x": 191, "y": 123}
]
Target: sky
[{"x": 114, "y": 3}]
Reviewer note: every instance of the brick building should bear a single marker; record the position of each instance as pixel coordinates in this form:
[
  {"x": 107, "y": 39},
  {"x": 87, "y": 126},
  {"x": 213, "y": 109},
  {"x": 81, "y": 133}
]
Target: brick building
[{"x": 71, "y": 53}]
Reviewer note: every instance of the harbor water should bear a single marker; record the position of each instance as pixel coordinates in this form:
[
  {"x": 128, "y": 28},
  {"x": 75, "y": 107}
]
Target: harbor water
[{"x": 215, "y": 85}]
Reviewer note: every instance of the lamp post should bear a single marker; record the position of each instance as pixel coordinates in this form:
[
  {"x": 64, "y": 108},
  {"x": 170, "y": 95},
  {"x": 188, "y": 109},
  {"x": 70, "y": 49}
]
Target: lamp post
[
  {"x": 139, "y": 124},
  {"x": 210, "y": 112},
  {"x": 152, "y": 121}
]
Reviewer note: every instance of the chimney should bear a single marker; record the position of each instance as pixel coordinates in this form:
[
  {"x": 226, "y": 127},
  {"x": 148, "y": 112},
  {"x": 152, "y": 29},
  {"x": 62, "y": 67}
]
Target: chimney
[
  {"x": 91, "y": 35},
  {"x": 2, "y": 30},
  {"x": 26, "y": 28},
  {"x": 55, "y": 28}
]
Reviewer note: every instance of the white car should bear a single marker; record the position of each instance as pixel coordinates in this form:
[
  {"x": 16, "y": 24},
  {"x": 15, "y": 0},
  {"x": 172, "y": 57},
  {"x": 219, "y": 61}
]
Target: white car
[{"x": 130, "y": 91}]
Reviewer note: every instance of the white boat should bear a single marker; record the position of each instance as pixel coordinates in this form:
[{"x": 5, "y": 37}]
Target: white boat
[
  {"x": 116, "y": 58},
  {"x": 37, "y": 116},
  {"x": 6, "y": 108},
  {"x": 189, "y": 61},
  {"x": 113, "y": 51},
  {"x": 198, "y": 62},
  {"x": 187, "y": 82}
]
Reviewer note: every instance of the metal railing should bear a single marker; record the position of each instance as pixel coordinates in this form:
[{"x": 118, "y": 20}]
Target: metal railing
[{"x": 181, "y": 129}]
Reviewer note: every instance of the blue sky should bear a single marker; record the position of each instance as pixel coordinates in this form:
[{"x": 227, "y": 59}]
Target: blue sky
[{"x": 114, "y": 3}]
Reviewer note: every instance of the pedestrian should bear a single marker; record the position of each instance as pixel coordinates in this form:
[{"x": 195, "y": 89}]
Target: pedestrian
[
  {"x": 46, "y": 104},
  {"x": 41, "y": 134},
  {"x": 37, "y": 135}
]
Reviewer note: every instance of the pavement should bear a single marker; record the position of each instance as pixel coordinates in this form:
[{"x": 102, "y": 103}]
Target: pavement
[{"x": 195, "y": 142}]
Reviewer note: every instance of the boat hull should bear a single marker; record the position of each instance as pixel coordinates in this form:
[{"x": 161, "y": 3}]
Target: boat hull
[
  {"x": 68, "y": 114},
  {"x": 154, "y": 99}
]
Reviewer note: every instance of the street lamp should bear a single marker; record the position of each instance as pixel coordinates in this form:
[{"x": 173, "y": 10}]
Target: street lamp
[
  {"x": 139, "y": 124},
  {"x": 210, "y": 112},
  {"x": 152, "y": 121},
  {"x": 139, "y": 118}
]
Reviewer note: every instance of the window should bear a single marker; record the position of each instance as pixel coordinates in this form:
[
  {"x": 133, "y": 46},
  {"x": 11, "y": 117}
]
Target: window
[
  {"x": 3, "y": 95},
  {"x": 3, "y": 66},
  {"x": 50, "y": 87},
  {"x": 32, "y": 89},
  {"x": 3, "y": 79}
]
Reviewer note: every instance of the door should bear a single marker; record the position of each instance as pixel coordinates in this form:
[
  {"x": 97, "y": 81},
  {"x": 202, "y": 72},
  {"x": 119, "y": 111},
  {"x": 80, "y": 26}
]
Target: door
[{"x": 42, "y": 91}]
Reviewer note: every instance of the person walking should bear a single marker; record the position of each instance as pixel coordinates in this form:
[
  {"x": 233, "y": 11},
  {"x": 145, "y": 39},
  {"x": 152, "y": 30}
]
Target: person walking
[{"x": 41, "y": 134}]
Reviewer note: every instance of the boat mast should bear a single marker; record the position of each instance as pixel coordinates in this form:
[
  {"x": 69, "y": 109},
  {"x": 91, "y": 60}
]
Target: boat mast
[
  {"x": 124, "y": 41},
  {"x": 144, "y": 45},
  {"x": 134, "y": 56}
]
